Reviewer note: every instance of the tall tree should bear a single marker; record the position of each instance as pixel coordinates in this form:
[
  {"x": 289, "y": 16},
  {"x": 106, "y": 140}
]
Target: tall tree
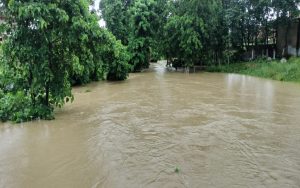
[
  {"x": 116, "y": 15},
  {"x": 143, "y": 28},
  {"x": 285, "y": 12},
  {"x": 51, "y": 41},
  {"x": 192, "y": 31}
]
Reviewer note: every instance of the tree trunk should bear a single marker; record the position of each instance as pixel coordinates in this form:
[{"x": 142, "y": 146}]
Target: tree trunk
[
  {"x": 267, "y": 40},
  {"x": 47, "y": 94},
  {"x": 243, "y": 34},
  {"x": 298, "y": 39},
  {"x": 286, "y": 39},
  {"x": 32, "y": 94},
  {"x": 47, "y": 86},
  {"x": 267, "y": 34},
  {"x": 274, "y": 43}
]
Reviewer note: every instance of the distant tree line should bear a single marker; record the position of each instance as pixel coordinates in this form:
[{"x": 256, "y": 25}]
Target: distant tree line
[{"x": 196, "y": 31}]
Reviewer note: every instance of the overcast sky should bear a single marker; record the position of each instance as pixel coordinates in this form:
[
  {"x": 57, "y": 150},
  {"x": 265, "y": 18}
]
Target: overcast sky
[{"x": 96, "y": 5}]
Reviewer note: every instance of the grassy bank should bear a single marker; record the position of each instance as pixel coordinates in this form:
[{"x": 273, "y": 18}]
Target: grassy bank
[
  {"x": 1, "y": 69},
  {"x": 1, "y": 63},
  {"x": 275, "y": 70}
]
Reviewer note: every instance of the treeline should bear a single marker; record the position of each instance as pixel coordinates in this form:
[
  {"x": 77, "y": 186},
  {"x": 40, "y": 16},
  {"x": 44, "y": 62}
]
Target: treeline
[
  {"x": 50, "y": 46},
  {"x": 196, "y": 31}
]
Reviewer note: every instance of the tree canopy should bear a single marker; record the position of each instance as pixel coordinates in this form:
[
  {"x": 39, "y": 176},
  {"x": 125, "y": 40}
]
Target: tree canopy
[
  {"x": 51, "y": 45},
  {"x": 194, "y": 31}
]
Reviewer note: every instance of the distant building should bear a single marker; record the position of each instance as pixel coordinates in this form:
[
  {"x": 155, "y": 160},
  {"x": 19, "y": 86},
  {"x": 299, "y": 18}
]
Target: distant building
[{"x": 288, "y": 43}]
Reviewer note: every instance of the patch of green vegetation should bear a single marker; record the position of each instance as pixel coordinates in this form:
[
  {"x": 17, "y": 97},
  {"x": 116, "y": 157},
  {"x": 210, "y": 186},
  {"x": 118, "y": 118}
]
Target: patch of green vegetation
[
  {"x": 1, "y": 62},
  {"x": 275, "y": 70},
  {"x": 74, "y": 52},
  {"x": 177, "y": 170},
  {"x": 19, "y": 107},
  {"x": 88, "y": 91}
]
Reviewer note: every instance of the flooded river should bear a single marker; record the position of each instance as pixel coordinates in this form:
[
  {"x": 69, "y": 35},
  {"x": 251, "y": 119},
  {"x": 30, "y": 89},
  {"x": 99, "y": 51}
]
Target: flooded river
[{"x": 217, "y": 130}]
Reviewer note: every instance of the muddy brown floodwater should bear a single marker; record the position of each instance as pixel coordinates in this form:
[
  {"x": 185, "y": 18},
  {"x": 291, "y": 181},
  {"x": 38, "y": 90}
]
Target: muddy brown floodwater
[{"x": 218, "y": 130}]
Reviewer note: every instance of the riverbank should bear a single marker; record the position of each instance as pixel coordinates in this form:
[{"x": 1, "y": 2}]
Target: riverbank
[{"x": 289, "y": 71}]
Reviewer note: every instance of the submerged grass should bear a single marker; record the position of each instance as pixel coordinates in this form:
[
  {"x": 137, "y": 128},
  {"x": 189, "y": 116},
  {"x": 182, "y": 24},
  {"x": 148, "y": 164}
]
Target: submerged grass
[{"x": 289, "y": 71}]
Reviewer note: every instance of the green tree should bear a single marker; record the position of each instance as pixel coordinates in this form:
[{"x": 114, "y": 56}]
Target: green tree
[
  {"x": 142, "y": 33},
  {"x": 184, "y": 38},
  {"x": 116, "y": 57},
  {"x": 116, "y": 15},
  {"x": 40, "y": 46},
  {"x": 285, "y": 12},
  {"x": 100, "y": 57},
  {"x": 49, "y": 43},
  {"x": 191, "y": 32}
]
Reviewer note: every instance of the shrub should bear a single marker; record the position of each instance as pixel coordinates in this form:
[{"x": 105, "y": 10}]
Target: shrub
[{"x": 18, "y": 107}]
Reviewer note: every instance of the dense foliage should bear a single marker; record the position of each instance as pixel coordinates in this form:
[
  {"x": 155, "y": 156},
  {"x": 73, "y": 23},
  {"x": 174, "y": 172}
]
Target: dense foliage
[
  {"x": 51, "y": 45},
  {"x": 137, "y": 23},
  {"x": 256, "y": 22},
  {"x": 142, "y": 33},
  {"x": 116, "y": 54},
  {"x": 197, "y": 31},
  {"x": 116, "y": 14}
]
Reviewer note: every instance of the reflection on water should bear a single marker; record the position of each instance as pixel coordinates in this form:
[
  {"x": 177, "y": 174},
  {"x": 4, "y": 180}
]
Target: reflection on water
[
  {"x": 220, "y": 130},
  {"x": 263, "y": 92}
]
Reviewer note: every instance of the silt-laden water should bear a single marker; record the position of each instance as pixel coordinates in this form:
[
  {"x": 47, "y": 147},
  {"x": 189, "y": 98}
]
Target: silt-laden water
[{"x": 218, "y": 130}]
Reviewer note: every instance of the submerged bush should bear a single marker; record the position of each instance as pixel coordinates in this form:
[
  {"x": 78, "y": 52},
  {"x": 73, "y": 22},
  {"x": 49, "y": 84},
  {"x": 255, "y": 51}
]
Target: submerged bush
[{"x": 18, "y": 107}]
